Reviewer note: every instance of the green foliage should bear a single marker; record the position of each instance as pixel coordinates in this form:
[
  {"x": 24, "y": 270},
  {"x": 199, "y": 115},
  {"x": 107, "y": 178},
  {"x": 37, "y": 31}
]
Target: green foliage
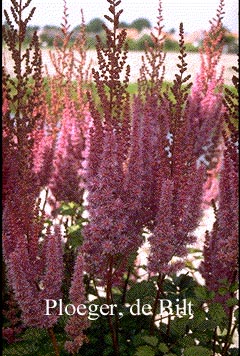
[
  {"x": 197, "y": 351},
  {"x": 170, "y": 45},
  {"x": 95, "y": 25},
  {"x": 142, "y": 291},
  {"x": 151, "y": 340},
  {"x": 163, "y": 348},
  {"x": 35, "y": 342},
  {"x": 140, "y": 24},
  {"x": 191, "y": 48},
  {"x": 145, "y": 351},
  {"x": 193, "y": 334}
]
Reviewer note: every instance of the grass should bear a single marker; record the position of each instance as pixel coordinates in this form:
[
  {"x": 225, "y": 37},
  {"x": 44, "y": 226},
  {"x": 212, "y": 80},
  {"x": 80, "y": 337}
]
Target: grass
[{"x": 132, "y": 89}]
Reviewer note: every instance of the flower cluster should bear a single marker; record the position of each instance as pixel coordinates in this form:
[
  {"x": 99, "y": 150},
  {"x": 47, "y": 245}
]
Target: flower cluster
[
  {"x": 148, "y": 166},
  {"x": 33, "y": 259},
  {"x": 65, "y": 182},
  {"x": 77, "y": 324},
  {"x": 221, "y": 245}
]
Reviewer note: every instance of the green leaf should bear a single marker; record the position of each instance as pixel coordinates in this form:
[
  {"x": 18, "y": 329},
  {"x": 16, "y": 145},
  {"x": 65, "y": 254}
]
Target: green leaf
[
  {"x": 108, "y": 339},
  {"x": 145, "y": 351},
  {"x": 108, "y": 351},
  {"x": 70, "y": 209},
  {"x": 232, "y": 301},
  {"x": 138, "y": 339},
  {"x": 222, "y": 291},
  {"x": 185, "y": 281},
  {"x": 163, "y": 347},
  {"x": 194, "y": 250},
  {"x": 75, "y": 236},
  {"x": 211, "y": 294},
  {"x": 151, "y": 340},
  {"x": 169, "y": 286},
  {"x": 74, "y": 230},
  {"x": 234, "y": 351},
  {"x": 187, "y": 340},
  {"x": 217, "y": 313},
  {"x": 236, "y": 316},
  {"x": 197, "y": 351},
  {"x": 140, "y": 291},
  {"x": 178, "y": 326},
  {"x": 201, "y": 293},
  {"x": 198, "y": 319},
  {"x": 234, "y": 287}
]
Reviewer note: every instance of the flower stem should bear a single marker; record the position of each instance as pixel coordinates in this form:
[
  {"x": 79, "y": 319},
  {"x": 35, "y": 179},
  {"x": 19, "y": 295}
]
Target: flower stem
[
  {"x": 159, "y": 292},
  {"x": 54, "y": 341},
  {"x": 114, "y": 331}
]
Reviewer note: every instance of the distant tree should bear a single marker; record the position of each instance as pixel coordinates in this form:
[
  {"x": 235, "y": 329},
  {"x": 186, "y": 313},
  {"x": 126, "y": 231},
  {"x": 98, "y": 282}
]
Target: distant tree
[
  {"x": 191, "y": 48},
  {"x": 95, "y": 25},
  {"x": 123, "y": 24},
  {"x": 132, "y": 44},
  {"x": 77, "y": 29},
  {"x": 172, "y": 31},
  {"x": 29, "y": 33},
  {"x": 143, "y": 41},
  {"x": 230, "y": 41},
  {"x": 51, "y": 28},
  {"x": 170, "y": 45},
  {"x": 49, "y": 33},
  {"x": 140, "y": 24}
]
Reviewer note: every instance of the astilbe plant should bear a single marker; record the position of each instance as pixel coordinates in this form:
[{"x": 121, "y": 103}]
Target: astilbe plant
[
  {"x": 207, "y": 93},
  {"x": 140, "y": 163},
  {"x": 109, "y": 220},
  {"x": 22, "y": 116},
  {"x": 63, "y": 137},
  {"x": 159, "y": 151},
  {"x": 30, "y": 267},
  {"x": 111, "y": 235},
  {"x": 165, "y": 147},
  {"x": 71, "y": 71},
  {"x": 77, "y": 324},
  {"x": 65, "y": 182},
  {"x": 220, "y": 265},
  {"x": 172, "y": 185}
]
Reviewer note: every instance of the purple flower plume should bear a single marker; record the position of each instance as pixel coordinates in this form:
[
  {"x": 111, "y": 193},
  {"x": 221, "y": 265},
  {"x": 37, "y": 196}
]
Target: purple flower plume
[
  {"x": 35, "y": 273},
  {"x": 111, "y": 231},
  {"x": 66, "y": 181},
  {"x": 221, "y": 245},
  {"x": 77, "y": 323}
]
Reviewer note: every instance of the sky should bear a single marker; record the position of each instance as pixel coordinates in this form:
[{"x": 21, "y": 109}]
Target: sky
[{"x": 195, "y": 14}]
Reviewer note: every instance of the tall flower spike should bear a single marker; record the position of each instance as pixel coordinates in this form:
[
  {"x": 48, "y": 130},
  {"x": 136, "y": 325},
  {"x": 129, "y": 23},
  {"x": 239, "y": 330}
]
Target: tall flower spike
[
  {"x": 207, "y": 93},
  {"x": 65, "y": 183},
  {"x": 221, "y": 247},
  {"x": 24, "y": 93},
  {"x": 43, "y": 152},
  {"x": 110, "y": 223},
  {"x": 152, "y": 70},
  {"x": 22, "y": 190},
  {"x": 77, "y": 324},
  {"x": 231, "y": 117},
  {"x": 35, "y": 272},
  {"x": 112, "y": 66},
  {"x": 152, "y": 124},
  {"x": 111, "y": 216},
  {"x": 179, "y": 205},
  {"x": 71, "y": 72}
]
